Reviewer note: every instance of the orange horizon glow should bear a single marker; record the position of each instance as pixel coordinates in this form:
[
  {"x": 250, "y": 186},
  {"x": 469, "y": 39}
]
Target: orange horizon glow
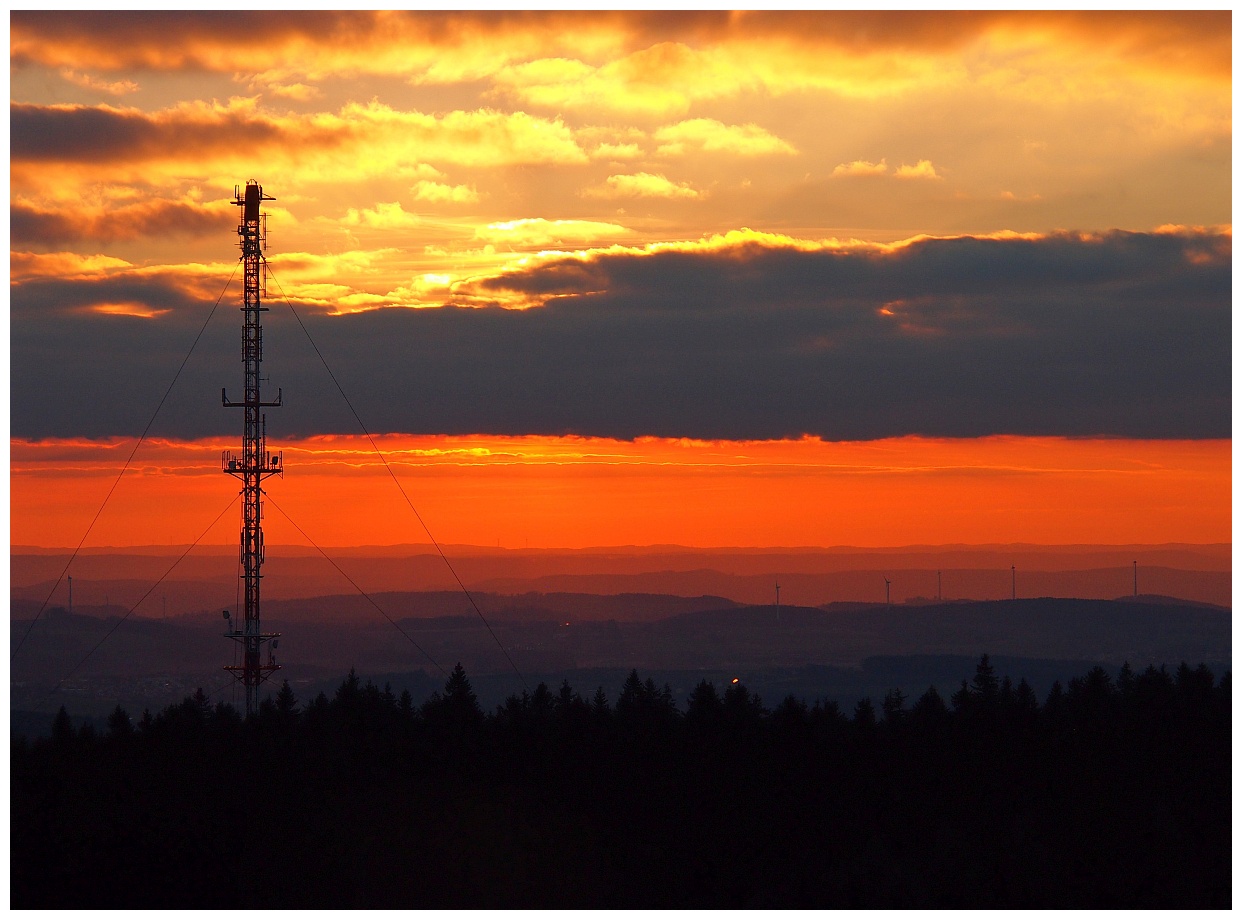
[{"x": 576, "y": 492}]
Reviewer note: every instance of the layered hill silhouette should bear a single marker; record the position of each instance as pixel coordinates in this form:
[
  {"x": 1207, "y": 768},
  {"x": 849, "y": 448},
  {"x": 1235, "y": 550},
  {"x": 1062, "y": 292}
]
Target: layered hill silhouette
[
  {"x": 673, "y": 610},
  {"x": 207, "y": 578},
  {"x": 559, "y": 634}
]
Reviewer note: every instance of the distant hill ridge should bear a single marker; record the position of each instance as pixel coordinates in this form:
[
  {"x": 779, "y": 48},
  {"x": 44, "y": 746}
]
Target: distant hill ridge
[
  {"x": 564, "y": 632},
  {"x": 207, "y": 578}
]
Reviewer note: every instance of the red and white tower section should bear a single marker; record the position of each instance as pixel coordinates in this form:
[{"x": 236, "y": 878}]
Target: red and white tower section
[{"x": 254, "y": 463}]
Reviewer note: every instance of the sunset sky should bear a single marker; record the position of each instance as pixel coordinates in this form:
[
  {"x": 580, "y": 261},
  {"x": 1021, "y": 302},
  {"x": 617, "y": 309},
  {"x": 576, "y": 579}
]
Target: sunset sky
[{"x": 600, "y": 279}]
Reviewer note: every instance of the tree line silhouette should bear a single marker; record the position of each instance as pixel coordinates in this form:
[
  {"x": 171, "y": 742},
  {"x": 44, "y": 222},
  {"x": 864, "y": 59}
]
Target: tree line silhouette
[{"x": 1114, "y": 792}]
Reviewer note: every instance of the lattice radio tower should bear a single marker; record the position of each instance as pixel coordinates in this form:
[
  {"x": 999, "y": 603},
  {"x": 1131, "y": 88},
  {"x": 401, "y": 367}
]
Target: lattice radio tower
[{"x": 255, "y": 463}]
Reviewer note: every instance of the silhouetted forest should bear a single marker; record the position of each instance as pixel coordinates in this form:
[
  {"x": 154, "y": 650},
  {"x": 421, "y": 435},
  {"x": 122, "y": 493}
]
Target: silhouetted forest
[{"x": 1114, "y": 792}]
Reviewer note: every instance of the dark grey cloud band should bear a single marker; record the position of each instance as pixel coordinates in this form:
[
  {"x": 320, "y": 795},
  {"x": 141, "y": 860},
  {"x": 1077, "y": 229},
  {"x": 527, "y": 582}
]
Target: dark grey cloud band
[{"x": 1121, "y": 334}]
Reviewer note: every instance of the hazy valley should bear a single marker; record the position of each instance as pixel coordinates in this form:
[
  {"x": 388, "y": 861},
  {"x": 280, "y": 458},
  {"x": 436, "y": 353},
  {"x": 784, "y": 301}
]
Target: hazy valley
[{"x": 590, "y": 616}]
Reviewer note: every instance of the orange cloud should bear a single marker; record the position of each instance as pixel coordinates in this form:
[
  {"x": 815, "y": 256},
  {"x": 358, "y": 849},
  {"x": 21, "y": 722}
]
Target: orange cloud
[
  {"x": 128, "y": 308},
  {"x": 281, "y": 82},
  {"x": 29, "y": 222},
  {"x": 86, "y": 81},
  {"x": 24, "y": 266}
]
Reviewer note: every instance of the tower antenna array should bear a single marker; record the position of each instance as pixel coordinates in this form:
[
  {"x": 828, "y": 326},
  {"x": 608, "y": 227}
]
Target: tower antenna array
[{"x": 255, "y": 463}]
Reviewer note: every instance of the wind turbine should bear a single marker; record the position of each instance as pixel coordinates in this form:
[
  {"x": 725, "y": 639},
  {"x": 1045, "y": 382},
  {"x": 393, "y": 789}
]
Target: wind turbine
[
  {"x": 887, "y": 601},
  {"x": 778, "y": 600}
]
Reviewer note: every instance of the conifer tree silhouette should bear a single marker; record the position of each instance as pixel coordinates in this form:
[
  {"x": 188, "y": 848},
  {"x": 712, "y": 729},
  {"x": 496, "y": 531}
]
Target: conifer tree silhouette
[
  {"x": 119, "y": 725},
  {"x": 864, "y": 714},
  {"x": 286, "y": 702},
  {"x": 894, "y": 706},
  {"x": 704, "y": 704},
  {"x": 62, "y": 728},
  {"x": 985, "y": 686},
  {"x": 457, "y": 705},
  {"x": 601, "y": 712}
]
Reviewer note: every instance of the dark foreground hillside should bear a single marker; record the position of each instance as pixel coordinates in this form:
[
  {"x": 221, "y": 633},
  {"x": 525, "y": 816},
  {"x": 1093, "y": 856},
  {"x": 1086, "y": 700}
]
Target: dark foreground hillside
[{"x": 1115, "y": 792}]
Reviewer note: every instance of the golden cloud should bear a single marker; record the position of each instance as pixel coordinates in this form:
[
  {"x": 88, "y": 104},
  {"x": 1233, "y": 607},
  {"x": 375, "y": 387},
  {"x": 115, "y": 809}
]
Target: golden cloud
[
  {"x": 537, "y": 231},
  {"x": 663, "y": 79},
  {"x": 655, "y": 63},
  {"x": 292, "y": 274},
  {"x": 99, "y": 144},
  {"x": 461, "y": 45},
  {"x": 616, "y": 152},
  {"x": 384, "y": 216},
  {"x": 860, "y": 168},
  {"x": 378, "y": 278},
  {"x": 921, "y": 170},
  {"x": 641, "y": 185},
  {"x": 711, "y": 136},
  {"x": 484, "y": 137},
  {"x": 351, "y": 262},
  {"x": 427, "y": 190}
]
